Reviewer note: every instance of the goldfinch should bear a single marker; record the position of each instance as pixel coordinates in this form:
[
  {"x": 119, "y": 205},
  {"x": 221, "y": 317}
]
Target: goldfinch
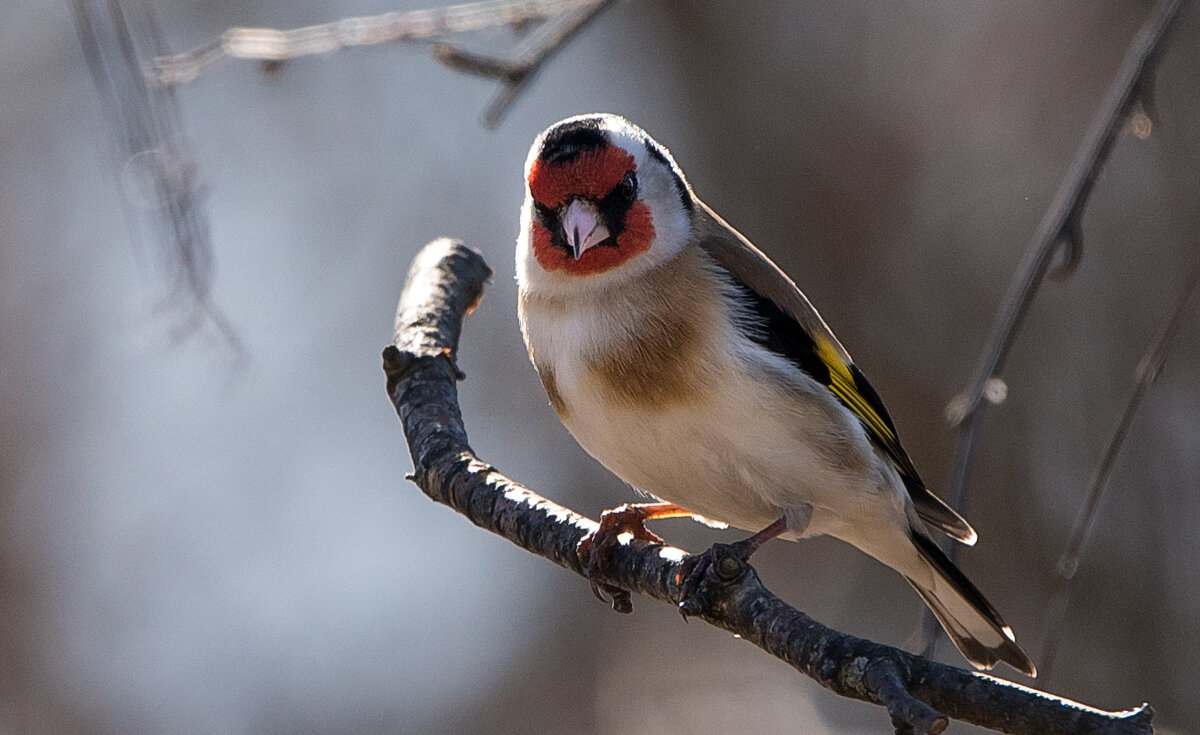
[{"x": 687, "y": 363}]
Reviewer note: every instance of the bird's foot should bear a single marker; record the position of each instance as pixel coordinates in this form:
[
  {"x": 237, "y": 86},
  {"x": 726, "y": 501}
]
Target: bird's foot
[
  {"x": 595, "y": 549},
  {"x": 721, "y": 565}
]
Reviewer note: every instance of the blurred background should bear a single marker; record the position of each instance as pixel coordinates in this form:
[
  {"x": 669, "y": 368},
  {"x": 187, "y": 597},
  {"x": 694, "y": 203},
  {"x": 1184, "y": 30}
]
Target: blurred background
[{"x": 202, "y": 537}]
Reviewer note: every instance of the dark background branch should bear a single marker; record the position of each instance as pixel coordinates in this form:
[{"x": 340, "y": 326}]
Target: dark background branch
[
  {"x": 1148, "y": 370},
  {"x": 445, "y": 282},
  {"x": 1060, "y": 232}
]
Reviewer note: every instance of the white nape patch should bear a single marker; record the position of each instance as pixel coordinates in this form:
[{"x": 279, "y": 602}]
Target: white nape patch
[{"x": 656, "y": 189}]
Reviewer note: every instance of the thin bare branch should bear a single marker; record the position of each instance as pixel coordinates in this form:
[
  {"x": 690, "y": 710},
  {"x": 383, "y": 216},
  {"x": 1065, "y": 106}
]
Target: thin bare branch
[
  {"x": 269, "y": 44},
  {"x": 1060, "y": 233},
  {"x": 563, "y": 20},
  {"x": 1149, "y": 368},
  {"x": 1060, "y": 227},
  {"x": 156, "y": 171},
  {"x": 445, "y": 283},
  {"x": 528, "y": 59}
]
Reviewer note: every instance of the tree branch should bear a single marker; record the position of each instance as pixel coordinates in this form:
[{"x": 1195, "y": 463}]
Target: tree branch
[
  {"x": 446, "y": 283},
  {"x": 529, "y": 57},
  {"x": 162, "y": 196},
  {"x": 1148, "y": 370},
  {"x": 1060, "y": 231},
  {"x": 564, "y": 19}
]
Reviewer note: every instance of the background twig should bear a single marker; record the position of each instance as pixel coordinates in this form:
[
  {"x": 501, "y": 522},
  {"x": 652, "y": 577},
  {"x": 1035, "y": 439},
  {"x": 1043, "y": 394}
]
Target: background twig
[
  {"x": 446, "y": 282},
  {"x": 157, "y": 174},
  {"x": 528, "y": 59},
  {"x": 1060, "y": 231},
  {"x": 1060, "y": 228},
  {"x": 563, "y": 20},
  {"x": 1148, "y": 370}
]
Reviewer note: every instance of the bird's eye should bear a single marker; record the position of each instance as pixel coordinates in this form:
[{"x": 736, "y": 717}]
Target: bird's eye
[{"x": 628, "y": 187}]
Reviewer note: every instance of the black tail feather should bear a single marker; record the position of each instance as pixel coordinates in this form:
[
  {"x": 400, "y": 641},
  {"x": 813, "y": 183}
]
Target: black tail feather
[{"x": 975, "y": 651}]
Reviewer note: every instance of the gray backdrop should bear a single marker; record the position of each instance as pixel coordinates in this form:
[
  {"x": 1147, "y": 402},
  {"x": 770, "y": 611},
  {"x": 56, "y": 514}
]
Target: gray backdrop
[{"x": 190, "y": 542}]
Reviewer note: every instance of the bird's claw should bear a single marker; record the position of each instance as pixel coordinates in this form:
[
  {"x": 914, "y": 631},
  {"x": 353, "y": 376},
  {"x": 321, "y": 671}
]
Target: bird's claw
[
  {"x": 594, "y": 555},
  {"x": 595, "y": 551},
  {"x": 620, "y": 599},
  {"x": 722, "y": 564}
]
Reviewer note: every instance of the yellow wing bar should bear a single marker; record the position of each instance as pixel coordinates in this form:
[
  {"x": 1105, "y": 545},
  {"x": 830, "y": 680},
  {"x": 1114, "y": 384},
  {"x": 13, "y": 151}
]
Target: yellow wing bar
[{"x": 842, "y": 383}]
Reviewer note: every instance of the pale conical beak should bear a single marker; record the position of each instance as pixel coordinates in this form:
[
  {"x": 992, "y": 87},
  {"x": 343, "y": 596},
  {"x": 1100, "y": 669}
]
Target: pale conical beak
[{"x": 583, "y": 227}]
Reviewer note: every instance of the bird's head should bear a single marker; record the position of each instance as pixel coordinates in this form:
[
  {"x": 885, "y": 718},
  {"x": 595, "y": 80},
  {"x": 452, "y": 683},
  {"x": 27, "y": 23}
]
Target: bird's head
[{"x": 602, "y": 199}]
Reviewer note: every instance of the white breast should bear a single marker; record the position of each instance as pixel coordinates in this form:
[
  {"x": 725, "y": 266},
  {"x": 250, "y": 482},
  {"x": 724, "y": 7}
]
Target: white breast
[{"x": 747, "y": 448}]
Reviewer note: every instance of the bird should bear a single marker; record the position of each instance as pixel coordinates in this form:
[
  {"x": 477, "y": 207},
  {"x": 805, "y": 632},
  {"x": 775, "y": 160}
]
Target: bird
[{"x": 685, "y": 361}]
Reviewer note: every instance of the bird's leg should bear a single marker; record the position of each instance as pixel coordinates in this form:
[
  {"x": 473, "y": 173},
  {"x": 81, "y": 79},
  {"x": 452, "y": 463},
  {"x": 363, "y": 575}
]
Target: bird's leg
[
  {"x": 694, "y": 568},
  {"x": 595, "y": 548}
]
